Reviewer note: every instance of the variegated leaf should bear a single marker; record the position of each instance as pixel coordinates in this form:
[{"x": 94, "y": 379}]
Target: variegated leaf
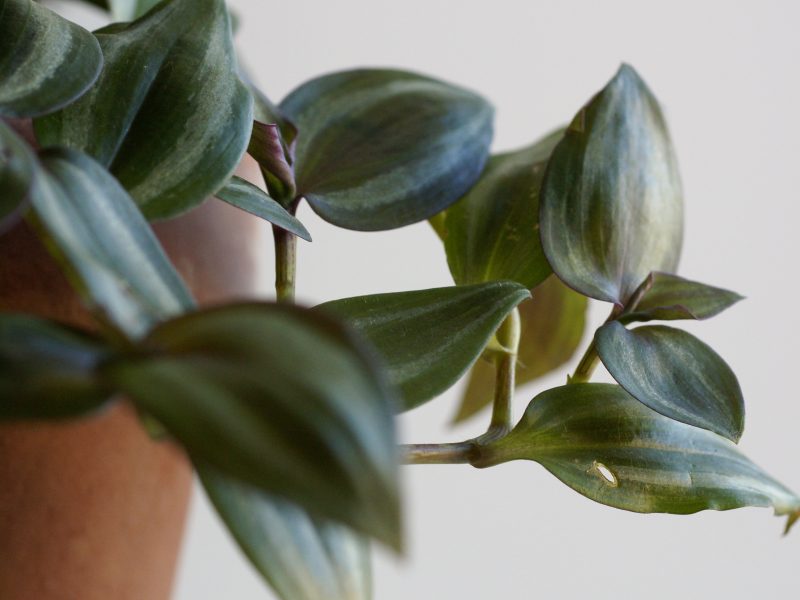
[
  {"x": 46, "y": 62},
  {"x": 608, "y": 446},
  {"x": 168, "y": 116}
]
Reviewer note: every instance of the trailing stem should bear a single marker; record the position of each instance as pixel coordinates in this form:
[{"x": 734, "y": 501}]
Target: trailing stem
[
  {"x": 285, "y": 264},
  {"x": 507, "y": 338},
  {"x": 590, "y": 359}
]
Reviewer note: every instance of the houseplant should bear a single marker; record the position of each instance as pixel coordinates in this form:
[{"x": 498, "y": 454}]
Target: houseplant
[{"x": 471, "y": 264}]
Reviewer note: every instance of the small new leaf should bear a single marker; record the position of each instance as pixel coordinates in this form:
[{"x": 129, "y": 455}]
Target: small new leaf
[
  {"x": 243, "y": 194},
  {"x": 48, "y": 370},
  {"x": 666, "y": 297},
  {"x": 168, "y": 116},
  {"x": 675, "y": 374},
  {"x": 301, "y": 557},
  {"x": 379, "y": 149},
  {"x": 610, "y": 447},
  {"x": 279, "y": 398},
  {"x": 270, "y": 151},
  {"x": 611, "y": 202},
  {"x": 429, "y": 338},
  {"x": 47, "y": 61}
]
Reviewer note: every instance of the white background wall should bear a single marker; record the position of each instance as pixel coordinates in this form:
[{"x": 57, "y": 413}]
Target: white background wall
[{"x": 727, "y": 75}]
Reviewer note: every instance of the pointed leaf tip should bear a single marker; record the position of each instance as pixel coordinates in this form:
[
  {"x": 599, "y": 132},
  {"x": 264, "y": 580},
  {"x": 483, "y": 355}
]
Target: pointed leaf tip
[
  {"x": 429, "y": 338},
  {"x": 616, "y": 170}
]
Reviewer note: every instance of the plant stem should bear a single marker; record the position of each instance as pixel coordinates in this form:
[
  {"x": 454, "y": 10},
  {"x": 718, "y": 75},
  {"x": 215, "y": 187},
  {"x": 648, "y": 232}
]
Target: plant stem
[
  {"x": 285, "y": 264},
  {"x": 585, "y": 369},
  {"x": 505, "y": 364},
  {"x": 437, "y": 454}
]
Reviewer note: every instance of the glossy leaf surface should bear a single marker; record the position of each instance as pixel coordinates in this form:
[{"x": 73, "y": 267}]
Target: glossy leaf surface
[
  {"x": 243, "y": 194},
  {"x": 110, "y": 251},
  {"x": 48, "y": 370},
  {"x": 301, "y": 557},
  {"x": 46, "y": 62},
  {"x": 429, "y": 338},
  {"x": 168, "y": 116},
  {"x": 279, "y": 398},
  {"x": 611, "y": 202},
  {"x": 17, "y": 169},
  {"x": 675, "y": 374},
  {"x": 492, "y": 233},
  {"x": 552, "y": 325},
  {"x": 667, "y": 297},
  {"x": 608, "y": 446},
  {"x": 379, "y": 149}
]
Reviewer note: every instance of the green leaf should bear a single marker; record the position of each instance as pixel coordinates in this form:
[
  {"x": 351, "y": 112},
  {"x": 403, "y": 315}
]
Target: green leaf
[
  {"x": 46, "y": 62},
  {"x": 280, "y": 398},
  {"x": 109, "y": 250},
  {"x": 552, "y": 324},
  {"x": 17, "y": 169},
  {"x": 168, "y": 116},
  {"x": 429, "y": 338},
  {"x": 675, "y": 374},
  {"x": 379, "y": 149},
  {"x": 666, "y": 297},
  {"x": 243, "y": 194},
  {"x": 609, "y": 447},
  {"x": 492, "y": 233},
  {"x": 611, "y": 200},
  {"x": 48, "y": 370},
  {"x": 301, "y": 557}
]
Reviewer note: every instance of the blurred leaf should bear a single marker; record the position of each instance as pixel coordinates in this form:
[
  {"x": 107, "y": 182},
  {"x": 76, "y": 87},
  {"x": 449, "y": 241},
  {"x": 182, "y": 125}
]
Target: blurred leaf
[
  {"x": 667, "y": 297},
  {"x": 606, "y": 445},
  {"x": 17, "y": 168},
  {"x": 611, "y": 201},
  {"x": 109, "y": 250},
  {"x": 552, "y": 324},
  {"x": 47, "y": 370},
  {"x": 429, "y": 338},
  {"x": 271, "y": 153},
  {"x": 378, "y": 149},
  {"x": 301, "y": 557},
  {"x": 279, "y": 398},
  {"x": 675, "y": 374},
  {"x": 46, "y": 62},
  {"x": 243, "y": 194},
  {"x": 168, "y": 116},
  {"x": 492, "y": 233}
]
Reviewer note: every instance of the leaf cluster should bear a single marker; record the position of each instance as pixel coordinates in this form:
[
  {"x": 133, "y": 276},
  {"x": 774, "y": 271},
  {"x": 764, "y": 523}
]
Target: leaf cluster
[{"x": 287, "y": 412}]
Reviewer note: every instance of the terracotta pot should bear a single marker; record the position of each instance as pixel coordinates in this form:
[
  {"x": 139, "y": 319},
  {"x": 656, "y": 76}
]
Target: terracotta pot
[{"x": 93, "y": 509}]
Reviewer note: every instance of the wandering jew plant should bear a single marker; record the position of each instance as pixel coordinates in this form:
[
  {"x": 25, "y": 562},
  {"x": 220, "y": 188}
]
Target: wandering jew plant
[{"x": 287, "y": 411}]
